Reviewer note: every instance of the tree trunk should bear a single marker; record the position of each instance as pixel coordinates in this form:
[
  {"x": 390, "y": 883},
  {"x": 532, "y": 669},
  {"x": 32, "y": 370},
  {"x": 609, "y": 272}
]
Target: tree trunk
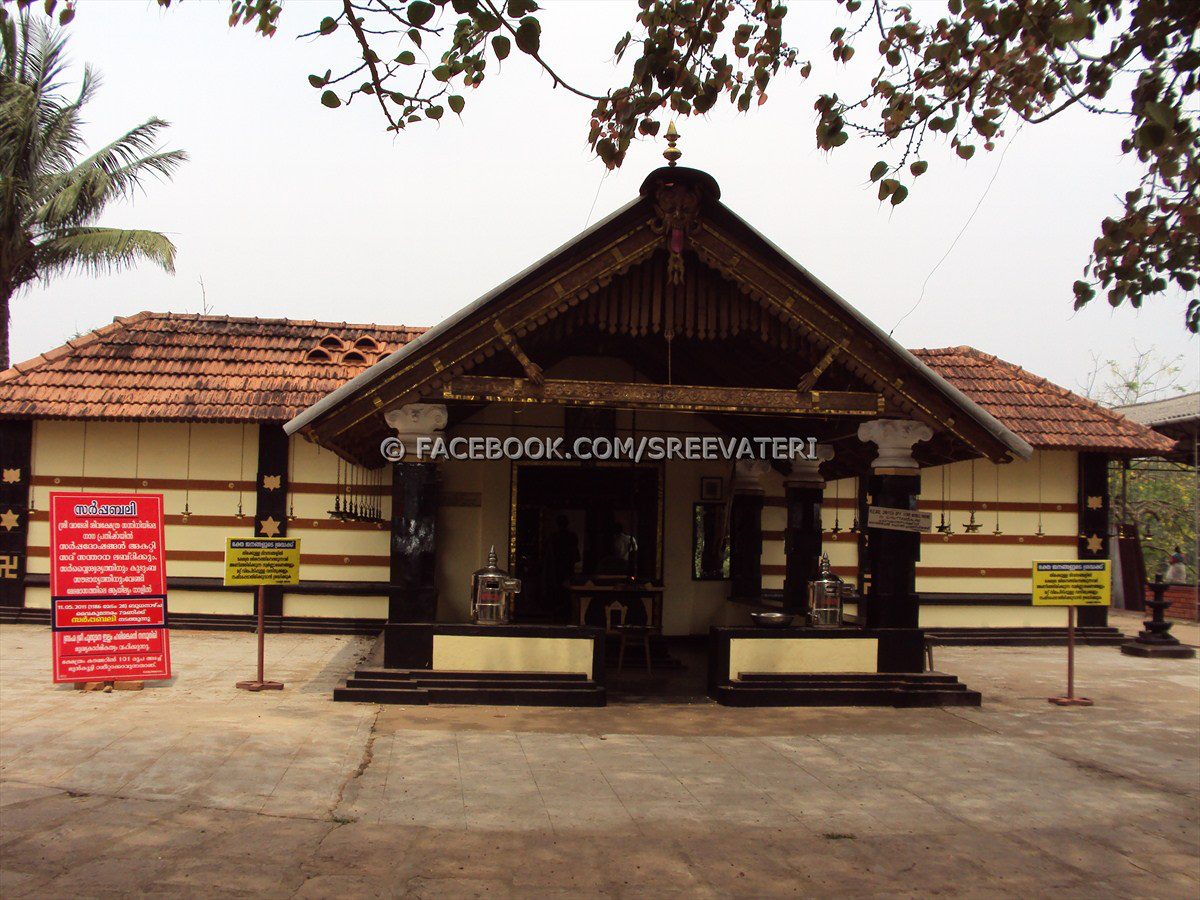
[{"x": 5, "y": 297}]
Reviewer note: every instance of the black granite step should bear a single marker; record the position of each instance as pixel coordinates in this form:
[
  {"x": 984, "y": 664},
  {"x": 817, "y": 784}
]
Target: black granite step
[
  {"x": 1088, "y": 635},
  {"x": 588, "y": 694},
  {"x": 424, "y": 686},
  {"x": 872, "y": 678},
  {"x": 479, "y": 683},
  {"x": 451, "y": 674},
  {"x": 860, "y": 689}
]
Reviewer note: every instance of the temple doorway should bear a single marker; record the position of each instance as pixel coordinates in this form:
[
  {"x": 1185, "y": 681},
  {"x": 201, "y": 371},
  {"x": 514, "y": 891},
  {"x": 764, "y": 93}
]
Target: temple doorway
[{"x": 577, "y": 524}]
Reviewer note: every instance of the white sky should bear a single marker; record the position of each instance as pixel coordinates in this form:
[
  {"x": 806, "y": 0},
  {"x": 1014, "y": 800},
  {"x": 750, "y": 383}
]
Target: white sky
[{"x": 289, "y": 209}]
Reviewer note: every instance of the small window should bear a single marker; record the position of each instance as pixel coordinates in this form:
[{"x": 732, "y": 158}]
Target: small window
[
  {"x": 316, "y": 354},
  {"x": 367, "y": 344},
  {"x": 332, "y": 342},
  {"x": 710, "y": 542},
  {"x": 353, "y": 357}
]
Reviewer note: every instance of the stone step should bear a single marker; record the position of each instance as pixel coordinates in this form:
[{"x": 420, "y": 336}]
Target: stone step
[
  {"x": 860, "y": 689},
  {"x": 477, "y": 683},
  {"x": 591, "y": 695},
  {"x": 850, "y": 678},
  {"x": 1022, "y": 637},
  {"x": 406, "y": 675}
]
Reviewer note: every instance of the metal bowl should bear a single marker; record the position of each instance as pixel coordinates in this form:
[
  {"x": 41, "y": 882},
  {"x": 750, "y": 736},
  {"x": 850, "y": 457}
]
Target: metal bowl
[{"x": 776, "y": 619}]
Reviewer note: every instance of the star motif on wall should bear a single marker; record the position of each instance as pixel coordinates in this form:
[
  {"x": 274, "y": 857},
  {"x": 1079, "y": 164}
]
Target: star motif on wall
[
  {"x": 9, "y": 520},
  {"x": 1095, "y": 543},
  {"x": 269, "y": 527},
  {"x": 1095, "y": 502},
  {"x": 12, "y": 476},
  {"x": 272, "y": 482}
]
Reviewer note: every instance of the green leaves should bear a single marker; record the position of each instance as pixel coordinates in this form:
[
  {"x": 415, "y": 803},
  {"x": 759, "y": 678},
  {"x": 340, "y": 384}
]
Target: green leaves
[
  {"x": 518, "y": 8},
  {"x": 501, "y": 46},
  {"x": 918, "y": 168},
  {"x": 330, "y": 99},
  {"x": 434, "y": 112},
  {"x": 406, "y": 58},
  {"x": 456, "y": 103},
  {"x": 529, "y": 35},
  {"x": 879, "y": 170},
  {"x": 328, "y": 25},
  {"x": 419, "y": 12}
]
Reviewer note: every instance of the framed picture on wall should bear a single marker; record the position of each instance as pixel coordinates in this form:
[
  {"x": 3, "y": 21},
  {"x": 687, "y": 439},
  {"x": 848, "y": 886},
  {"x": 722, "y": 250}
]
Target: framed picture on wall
[{"x": 711, "y": 488}]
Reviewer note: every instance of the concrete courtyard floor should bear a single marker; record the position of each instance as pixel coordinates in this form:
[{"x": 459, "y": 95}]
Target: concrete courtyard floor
[{"x": 193, "y": 788}]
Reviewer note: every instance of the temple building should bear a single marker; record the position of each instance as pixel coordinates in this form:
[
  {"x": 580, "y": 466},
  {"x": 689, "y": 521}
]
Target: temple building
[{"x": 672, "y": 317}]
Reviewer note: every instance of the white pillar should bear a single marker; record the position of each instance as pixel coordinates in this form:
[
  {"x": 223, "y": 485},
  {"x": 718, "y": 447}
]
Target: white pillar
[
  {"x": 748, "y": 475},
  {"x": 895, "y": 440},
  {"x": 415, "y": 421},
  {"x": 806, "y": 470}
]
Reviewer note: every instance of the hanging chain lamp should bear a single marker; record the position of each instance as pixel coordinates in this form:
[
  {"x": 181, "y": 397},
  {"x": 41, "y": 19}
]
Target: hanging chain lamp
[
  {"x": 997, "y": 530},
  {"x": 187, "y": 477},
  {"x": 1039, "y": 532},
  {"x": 855, "y": 527},
  {"x": 944, "y": 526},
  {"x": 241, "y": 474},
  {"x": 971, "y": 526}
]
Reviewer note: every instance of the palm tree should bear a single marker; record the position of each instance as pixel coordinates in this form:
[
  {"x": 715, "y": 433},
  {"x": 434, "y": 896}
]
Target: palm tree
[{"x": 51, "y": 193}]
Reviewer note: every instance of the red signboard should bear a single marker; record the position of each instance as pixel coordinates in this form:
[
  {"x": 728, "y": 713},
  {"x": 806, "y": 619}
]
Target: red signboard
[
  {"x": 108, "y": 587},
  {"x": 106, "y": 545},
  {"x": 110, "y": 612},
  {"x": 133, "y": 654}
]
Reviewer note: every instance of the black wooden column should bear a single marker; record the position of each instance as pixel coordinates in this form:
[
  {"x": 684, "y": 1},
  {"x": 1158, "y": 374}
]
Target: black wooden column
[
  {"x": 412, "y": 596},
  {"x": 270, "y": 499},
  {"x": 745, "y": 531},
  {"x": 1093, "y": 523},
  {"x": 892, "y": 555},
  {"x": 803, "y": 493},
  {"x": 16, "y": 440}
]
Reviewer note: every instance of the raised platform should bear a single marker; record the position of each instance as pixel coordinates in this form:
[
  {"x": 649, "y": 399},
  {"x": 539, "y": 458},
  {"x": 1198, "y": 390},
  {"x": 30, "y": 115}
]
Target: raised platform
[
  {"x": 526, "y": 665},
  {"x": 849, "y": 666}
]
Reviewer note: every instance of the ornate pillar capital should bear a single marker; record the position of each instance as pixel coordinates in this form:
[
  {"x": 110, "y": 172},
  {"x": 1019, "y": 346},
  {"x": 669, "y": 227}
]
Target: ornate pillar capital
[
  {"x": 416, "y": 421},
  {"x": 748, "y": 475},
  {"x": 895, "y": 439},
  {"x": 807, "y": 469}
]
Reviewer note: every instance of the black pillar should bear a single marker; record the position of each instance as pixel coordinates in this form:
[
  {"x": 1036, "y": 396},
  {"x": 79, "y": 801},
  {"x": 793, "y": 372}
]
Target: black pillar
[
  {"x": 1093, "y": 523},
  {"x": 745, "y": 543},
  {"x": 16, "y": 440},
  {"x": 801, "y": 541},
  {"x": 892, "y": 555},
  {"x": 270, "y": 501},
  {"x": 412, "y": 596}
]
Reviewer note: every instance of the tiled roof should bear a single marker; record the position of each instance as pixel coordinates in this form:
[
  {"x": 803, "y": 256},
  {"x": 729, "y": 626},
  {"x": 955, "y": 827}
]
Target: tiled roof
[
  {"x": 217, "y": 368},
  {"x": 1047, "y": 416},
  {"x": 1168, "y": 411},
  {"x": 208, "y": 368}
]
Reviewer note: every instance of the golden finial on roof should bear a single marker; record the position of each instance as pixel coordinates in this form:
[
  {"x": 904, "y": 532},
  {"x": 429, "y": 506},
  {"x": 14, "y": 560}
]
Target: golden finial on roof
[{"x": 672, "y": 153}]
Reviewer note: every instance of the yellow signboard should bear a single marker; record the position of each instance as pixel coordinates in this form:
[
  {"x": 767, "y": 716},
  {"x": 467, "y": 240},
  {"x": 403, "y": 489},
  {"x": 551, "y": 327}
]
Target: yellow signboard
[
  {"x": 1083, "y": 582},
  {"x": 254, "y": 561}
]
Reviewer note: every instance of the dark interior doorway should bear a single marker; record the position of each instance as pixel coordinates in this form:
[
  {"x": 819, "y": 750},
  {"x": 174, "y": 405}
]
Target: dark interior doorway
[{"x": 582, "y": 522}]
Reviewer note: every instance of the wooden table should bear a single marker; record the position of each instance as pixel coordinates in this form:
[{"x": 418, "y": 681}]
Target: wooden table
[{"x": 626, "y": 592}]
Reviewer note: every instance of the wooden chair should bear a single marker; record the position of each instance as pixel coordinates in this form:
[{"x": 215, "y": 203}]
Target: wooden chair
[{"x": 618, "y": 611}]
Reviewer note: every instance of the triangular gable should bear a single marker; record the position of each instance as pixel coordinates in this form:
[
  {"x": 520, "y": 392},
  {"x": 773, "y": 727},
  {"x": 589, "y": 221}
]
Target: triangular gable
[{"x": 679, "y": 212}]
